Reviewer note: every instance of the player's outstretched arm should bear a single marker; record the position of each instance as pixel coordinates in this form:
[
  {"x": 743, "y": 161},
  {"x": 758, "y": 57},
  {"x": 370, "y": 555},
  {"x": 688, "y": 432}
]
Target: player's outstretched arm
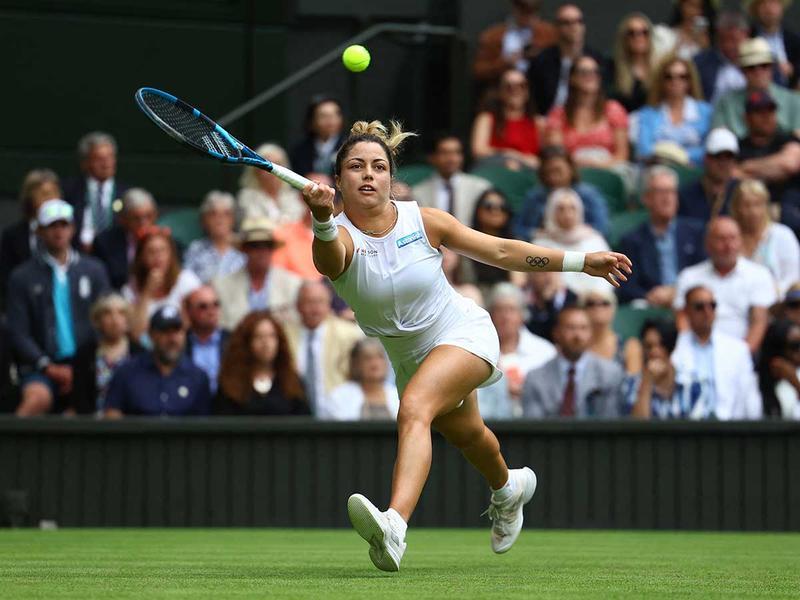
[
  {"x": 515, "y": 255},
  {"x": 332, "y": 247}
]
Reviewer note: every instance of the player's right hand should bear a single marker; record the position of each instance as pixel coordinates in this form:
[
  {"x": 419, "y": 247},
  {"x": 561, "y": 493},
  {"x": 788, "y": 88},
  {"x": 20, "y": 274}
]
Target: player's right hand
[{"x": 319, "y": 199}]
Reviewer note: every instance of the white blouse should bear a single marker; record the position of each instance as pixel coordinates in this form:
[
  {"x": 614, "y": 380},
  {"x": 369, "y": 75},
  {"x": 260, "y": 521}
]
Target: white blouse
[
  {"x": 347, "y": 403},
  {"x": 780, "y": 253}
]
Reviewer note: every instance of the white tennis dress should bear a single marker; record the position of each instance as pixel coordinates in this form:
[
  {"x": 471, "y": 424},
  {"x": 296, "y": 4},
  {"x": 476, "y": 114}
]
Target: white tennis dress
[{"x": 399, "y": 294}]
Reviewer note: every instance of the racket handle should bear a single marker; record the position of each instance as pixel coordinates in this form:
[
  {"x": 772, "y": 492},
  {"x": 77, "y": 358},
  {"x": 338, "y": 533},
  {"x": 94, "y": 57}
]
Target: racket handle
[{"x": 290, "y": 177}]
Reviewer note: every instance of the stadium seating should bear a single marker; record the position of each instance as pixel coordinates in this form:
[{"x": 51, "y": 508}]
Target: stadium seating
[
  {"x": 687, "y": 174},
  {"x": 184, "y": 223},
  {"x": 622, "y": 223},
  {"x": 629, "y": 320},
  {"x": 610, "y": 184},
  {"x": 513, "y": 184},
  {"x": 414, "y": 173}
]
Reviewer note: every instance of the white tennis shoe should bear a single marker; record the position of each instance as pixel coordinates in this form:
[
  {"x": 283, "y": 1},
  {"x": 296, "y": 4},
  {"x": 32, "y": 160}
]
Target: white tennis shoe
[
  {"x": 385, "y": 535},
  {"x": 506, "y": 516}
]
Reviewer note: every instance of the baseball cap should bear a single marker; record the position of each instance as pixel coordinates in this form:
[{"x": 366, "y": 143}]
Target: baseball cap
[
  {"x": 721, "y": 140},
  {"x": 759, "y": 100},
  {"x": 753, "y": 52},
  {"x": 166, "y": 317},
  {"x": 53, "y": 211}
]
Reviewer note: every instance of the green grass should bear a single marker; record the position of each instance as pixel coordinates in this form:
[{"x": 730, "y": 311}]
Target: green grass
[{"x": 280, "y": 563}]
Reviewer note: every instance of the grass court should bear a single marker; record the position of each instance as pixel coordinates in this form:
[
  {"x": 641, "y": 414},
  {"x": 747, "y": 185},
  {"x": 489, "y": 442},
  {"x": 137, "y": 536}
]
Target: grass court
[{"x": 439, "y": 563}]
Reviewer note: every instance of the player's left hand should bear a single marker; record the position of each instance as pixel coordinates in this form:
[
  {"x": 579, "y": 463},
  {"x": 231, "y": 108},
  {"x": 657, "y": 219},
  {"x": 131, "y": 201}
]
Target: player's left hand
[{"x": 611, "y": 266}]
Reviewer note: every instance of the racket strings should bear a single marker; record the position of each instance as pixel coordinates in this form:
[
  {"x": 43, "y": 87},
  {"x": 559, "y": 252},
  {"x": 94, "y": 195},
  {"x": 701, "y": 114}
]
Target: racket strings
[{"x": 196, "y": 130}]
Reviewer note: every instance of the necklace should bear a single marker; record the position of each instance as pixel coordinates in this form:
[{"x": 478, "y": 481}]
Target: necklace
[
  {"x": 262, "y": 384},
  {"x": 379, "y": 233}
]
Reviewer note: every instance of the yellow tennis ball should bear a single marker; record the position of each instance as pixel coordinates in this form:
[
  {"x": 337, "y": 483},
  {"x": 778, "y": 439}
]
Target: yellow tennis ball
[{"x": 355, "y": 58}]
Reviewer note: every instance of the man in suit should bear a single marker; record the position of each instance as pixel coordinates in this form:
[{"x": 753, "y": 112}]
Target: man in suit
[
  {"x": 576, "y": 383},
  {"x": 320, "y": 342},
  {"x": 548, "y": 73},
  {"x": 767, "y": 18},
  {"x": 205, "y": 339},
  {"x": 663, "y": 245},
  {"x": 449, "y": 188},
  {"x": 116, "y": 247},
  {"x": 259, "y": 285},
  {"x": 718, "y": 66},
  {"x": 95, "y": 195}
]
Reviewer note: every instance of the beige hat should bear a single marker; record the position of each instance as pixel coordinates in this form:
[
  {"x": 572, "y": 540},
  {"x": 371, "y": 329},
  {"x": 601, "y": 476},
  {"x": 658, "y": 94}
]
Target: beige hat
[
  {"x": 755, "y": 51},
  {"x": 258, "y": 229},
  {"x": 670, "y": 153}
]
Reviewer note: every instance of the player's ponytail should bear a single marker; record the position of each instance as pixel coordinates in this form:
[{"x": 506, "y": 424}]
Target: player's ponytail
[{"x": 374, "y": 131}]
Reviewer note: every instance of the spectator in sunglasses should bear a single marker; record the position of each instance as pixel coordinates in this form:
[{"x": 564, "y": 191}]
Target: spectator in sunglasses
[
  {"x": 778, "y": 370},
  {"x": 715, "y": 367},
  {"x": 634, "y": 61},
  {"x": 493, "y": 216},
  {"x": 205, "y": 339},
  {"x": 756, "y": 61},
  {"x": 601, "y": 306},
  {"x": 675, "y": 111},
  {"x": 744, "y": 290}
]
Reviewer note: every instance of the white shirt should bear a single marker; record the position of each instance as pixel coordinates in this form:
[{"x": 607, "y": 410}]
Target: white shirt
[
  {"x": 729, "y": 78},
  {"x": 514, "y": 41},
  {"x": 302, "y": 354},
  {"x": 443, "y": 197},
  {"x": 563, "y": 82},
  {"x": 531, "y": 353},
  {"x": 736, "y": 394},
  {"x": 106, "y": 188},
  {"x": 187, "y": 283},
  {"x": 346, "y": 402},
  {"x": 788, "y": 399},
  {"x": 779, "y": 252},
  {"x": 747, "y": 285}
]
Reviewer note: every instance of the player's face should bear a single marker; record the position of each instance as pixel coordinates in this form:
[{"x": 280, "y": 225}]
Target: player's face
[
  {"x": 264, "y": 343},
  {"x": 365, "y": 176}
]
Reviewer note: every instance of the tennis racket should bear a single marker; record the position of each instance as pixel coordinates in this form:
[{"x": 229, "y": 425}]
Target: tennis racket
[{"x": 193, "y": 129}]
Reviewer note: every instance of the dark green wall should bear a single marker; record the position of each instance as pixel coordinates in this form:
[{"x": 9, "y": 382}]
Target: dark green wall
[{"x": 297, "y": 472}]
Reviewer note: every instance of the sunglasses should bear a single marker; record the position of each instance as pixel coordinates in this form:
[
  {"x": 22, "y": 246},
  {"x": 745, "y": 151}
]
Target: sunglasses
[
  {"x": 584, "y": 71},
  {"x": 793, "y": 346},
  {"x": 515, "y": 85},
  {"x": 631, "y": 33},
  {"x": 676, "y": 76},
  {"x": 596, "y": 303},
  {"x": 568, "y": 22},
  {"x": 754, "y": 67},
  {"x": 698, "y": 306},
  {"x": 207, "y": 305},
  {"x": 493, "y": 206}
]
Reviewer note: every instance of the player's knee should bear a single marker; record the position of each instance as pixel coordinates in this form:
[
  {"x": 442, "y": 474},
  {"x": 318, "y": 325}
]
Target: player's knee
[
  {"x": 413, "y": 412},
  {"x": 36, "y": 400}
]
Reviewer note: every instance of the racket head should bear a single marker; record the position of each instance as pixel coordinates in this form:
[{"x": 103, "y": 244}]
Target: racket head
[{"x": 192, "y": 128}]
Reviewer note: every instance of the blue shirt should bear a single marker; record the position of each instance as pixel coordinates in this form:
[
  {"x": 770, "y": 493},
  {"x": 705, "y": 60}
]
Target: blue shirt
[
  {"x": 206, "y": 356},
  {"x": 666, "y": 245},
  {"x": 62, "y": 307},
  {"x": 139, "y": 388}
]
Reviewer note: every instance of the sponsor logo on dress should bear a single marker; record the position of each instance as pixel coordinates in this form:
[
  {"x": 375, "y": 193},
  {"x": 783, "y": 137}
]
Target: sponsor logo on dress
[
  {"x": 409, "y": 239},
  {"x": 366, "y": 252}
]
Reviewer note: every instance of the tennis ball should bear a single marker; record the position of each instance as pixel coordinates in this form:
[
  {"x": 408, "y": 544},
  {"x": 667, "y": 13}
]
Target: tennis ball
[{"x": 355, "y": 58}]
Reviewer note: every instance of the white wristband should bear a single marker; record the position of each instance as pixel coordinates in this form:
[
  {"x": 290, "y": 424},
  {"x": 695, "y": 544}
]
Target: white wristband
[
  {"x": 573, "y": 261},
  {"x": 326, "y": 231}
]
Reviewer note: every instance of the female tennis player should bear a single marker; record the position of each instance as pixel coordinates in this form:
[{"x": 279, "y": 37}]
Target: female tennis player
[{"x": 383, "y": 258}]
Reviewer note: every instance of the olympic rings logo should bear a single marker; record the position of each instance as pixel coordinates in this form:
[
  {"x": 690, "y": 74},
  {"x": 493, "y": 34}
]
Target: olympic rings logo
[{"x": 537, "y": 262}]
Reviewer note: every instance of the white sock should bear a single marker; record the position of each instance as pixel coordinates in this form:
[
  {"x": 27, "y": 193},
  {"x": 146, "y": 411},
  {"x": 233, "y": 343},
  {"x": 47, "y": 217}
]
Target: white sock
[
  {"x": 504, "y": 493},
  {"x": 397, "y": 521}
]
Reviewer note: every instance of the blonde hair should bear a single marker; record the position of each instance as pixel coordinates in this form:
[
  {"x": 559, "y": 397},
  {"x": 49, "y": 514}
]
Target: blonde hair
[
  {"x": 249, "y": 179},
  {"x": 105, "y": 303},
  {"x": 390, "y": 139},
  {"x": 623, "y": 73},
  {"x": 750, "y": 187},
  {"x": 656, "y": 94}
]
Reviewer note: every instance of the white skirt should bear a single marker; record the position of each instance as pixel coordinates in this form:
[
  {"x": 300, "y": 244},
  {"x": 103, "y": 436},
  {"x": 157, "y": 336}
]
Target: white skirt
[{"x": 463, "y": 324}]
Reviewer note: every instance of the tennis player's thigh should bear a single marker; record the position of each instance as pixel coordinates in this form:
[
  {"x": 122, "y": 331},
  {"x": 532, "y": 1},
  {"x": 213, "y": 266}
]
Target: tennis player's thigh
[{"x": 446, "y": 376}]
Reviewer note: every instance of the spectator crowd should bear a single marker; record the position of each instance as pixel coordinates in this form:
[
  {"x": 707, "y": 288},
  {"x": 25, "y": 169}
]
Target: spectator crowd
[{"x": 680, "y": 149}]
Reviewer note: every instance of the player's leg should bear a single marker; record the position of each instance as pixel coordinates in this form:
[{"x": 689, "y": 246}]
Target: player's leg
[
  {"x": 511, "y": 489},
  {"x": 446, "y": 376}
]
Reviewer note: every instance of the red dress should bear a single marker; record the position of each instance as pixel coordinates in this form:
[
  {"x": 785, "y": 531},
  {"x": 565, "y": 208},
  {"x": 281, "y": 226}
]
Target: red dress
[{"x": 518, "y": 134}]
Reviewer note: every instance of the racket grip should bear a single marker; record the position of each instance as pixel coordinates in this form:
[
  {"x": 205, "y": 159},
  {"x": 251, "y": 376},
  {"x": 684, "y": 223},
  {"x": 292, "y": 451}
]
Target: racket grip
[{"x": 290, "y": 177}]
